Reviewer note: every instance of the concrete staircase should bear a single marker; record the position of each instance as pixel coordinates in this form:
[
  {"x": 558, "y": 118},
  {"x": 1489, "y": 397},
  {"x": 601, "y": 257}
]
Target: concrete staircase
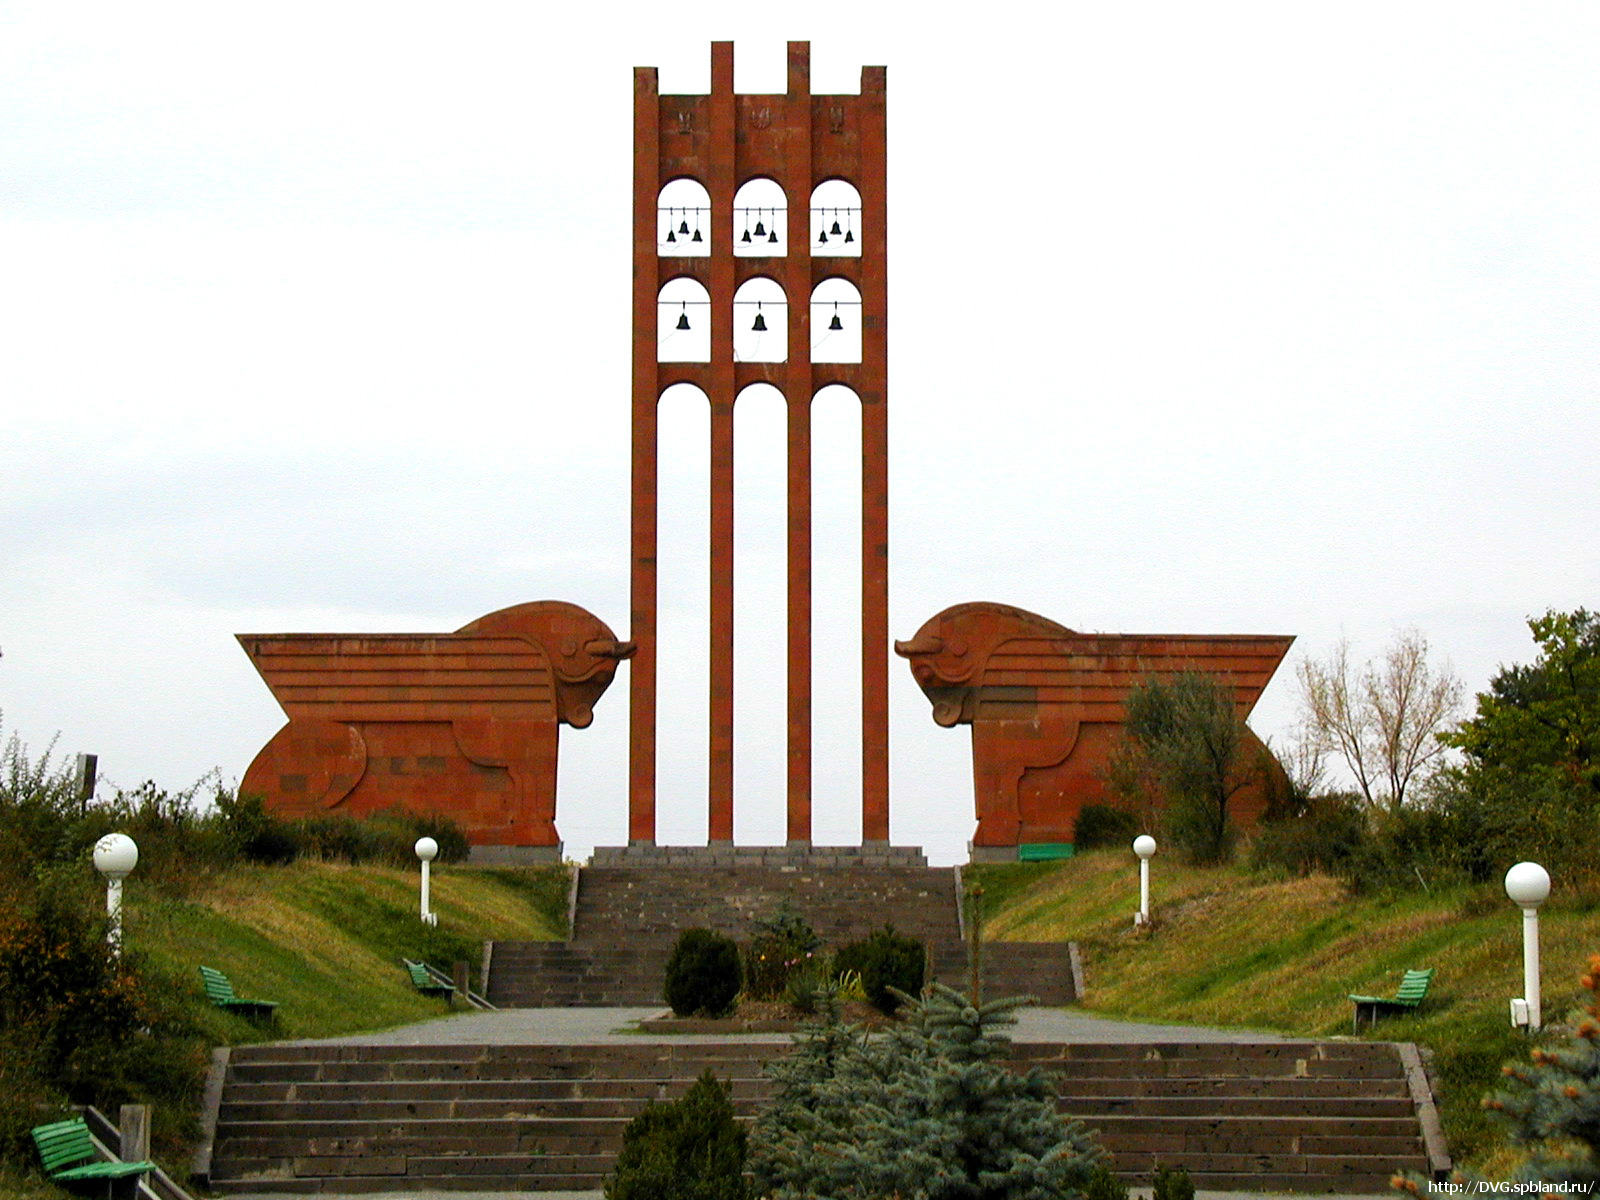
[
  {"x": 1301, "y": 1116},
  {"x": 1265, "y": 1116},
  {"x": 498, "y": 1118},
  {"x": 627, "y": 919}
]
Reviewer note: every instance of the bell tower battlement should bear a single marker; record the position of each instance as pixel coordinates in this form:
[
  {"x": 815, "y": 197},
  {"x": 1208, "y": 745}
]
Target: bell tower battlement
[{"x": 720, "y": 182}]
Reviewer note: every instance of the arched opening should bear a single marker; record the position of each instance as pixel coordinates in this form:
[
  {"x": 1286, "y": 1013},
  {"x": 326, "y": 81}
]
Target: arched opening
[
  {"x": 683, "y": 614},
  {"x": 760, "y": 220},
  {"x": 835, "y": 220},
  {"x": 835, "y": 322},
  {"x": 683, "y": 321},
  {"x": 836, "y": 616},
  {"x": 683, "y": 220},
  {"x": 760, "y": 321},
  {"x": 760, "y": 643}
]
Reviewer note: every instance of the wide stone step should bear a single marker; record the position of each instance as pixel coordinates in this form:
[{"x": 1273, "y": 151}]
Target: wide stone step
[
  {"x": 524, "y": 1089},
  {"x": 504, "y": 1052},
  {"x": 1301, "y": 1116},
  {"x": 265, "y": 1147}
]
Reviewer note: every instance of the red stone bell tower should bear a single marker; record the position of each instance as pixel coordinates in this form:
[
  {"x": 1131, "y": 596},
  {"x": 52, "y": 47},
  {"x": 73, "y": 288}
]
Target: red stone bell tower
[{"x": 802, "y": 144}]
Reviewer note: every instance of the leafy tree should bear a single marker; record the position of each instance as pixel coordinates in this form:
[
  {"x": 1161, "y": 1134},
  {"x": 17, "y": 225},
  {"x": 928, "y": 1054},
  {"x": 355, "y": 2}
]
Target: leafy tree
[
  {"x": 1185, "y": 746},
  {"x": 1384, "y": 719},
  {"x": 1543, "y": 717},
  {"x": 928, "y": 1112}
]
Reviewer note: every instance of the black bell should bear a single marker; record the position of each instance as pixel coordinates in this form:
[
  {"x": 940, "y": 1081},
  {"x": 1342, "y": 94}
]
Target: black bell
[
  {"x": 773, "y": 236},
  {"x": 849, "y": 236},
  {"x": 822, "y": 237},
  {"x": 696, "y": 237},
  {"x": 683, "y": 317},
  {"x": 746, "y": 236},
  {"x": 836, "y": 231},
  {"x": 683, "y": 227},
  {"x": 761, "y": 322},
  {"x": 761, "y": 230},
  {"x": 671, "y": 237},
  {"x": 835, "y": 325}
]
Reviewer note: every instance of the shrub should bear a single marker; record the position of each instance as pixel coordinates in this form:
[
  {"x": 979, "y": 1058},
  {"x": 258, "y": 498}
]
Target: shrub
[
  {"x": 78, "y": 1025},
  {"x": 255, "y": 834},
  {"x": 803, "y": 991},
  {"x": 1328, "y": 835},
  {"x": 702, "y": 974},
  {"x": 1103, "y": 1185},
  {"x": 1172, "y": 1183},
  {"x": 886, "y": 961},
  {"x": 690, "y": 1149},
  {"x": 1104, "y": 825},
  {"x": 387, "y": 837},
  {"x": 781, "y": 946}
]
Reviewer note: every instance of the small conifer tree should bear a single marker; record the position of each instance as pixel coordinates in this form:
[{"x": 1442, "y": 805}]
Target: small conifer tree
[
  {"x": 929, "y": 1111},
  {"x": 689, "y": 1149}
]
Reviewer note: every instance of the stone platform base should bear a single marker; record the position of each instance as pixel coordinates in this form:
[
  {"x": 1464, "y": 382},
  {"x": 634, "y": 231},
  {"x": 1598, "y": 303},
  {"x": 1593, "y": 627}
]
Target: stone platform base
[
  {"x": 514, "y": 856},
  {"x": 800, "y": 855}
]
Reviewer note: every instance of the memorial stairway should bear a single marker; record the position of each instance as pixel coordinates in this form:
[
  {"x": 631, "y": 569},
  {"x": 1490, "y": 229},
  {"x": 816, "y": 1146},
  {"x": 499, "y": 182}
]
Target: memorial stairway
[
  {"x": 339, "y": 1118},
  {"x": 627, "y": 917}
]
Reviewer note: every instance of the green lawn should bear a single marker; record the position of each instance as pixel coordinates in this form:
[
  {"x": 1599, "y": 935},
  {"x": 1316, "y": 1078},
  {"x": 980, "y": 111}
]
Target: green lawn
[
  {"x": 325, "y": 940},
  {"x": 1235, "y": 949}
]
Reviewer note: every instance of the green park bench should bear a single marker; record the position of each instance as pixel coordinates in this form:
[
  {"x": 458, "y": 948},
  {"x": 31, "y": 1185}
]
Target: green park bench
[
  {"x": 220, "y": 992},
  {"x": 427, "y": 981},
  {"x": 69, "y": 1155},
  {"x": 1044, "y": 851},
  {"x": 1412, "y": 990}
]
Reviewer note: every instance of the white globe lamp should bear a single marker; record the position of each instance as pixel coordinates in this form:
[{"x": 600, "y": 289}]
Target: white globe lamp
[
  {"x": 1528, "y": 885},
  {"x": 1145, "y": 847},
  {"x": 115, "y": 857},
  {"x": 427, "y": 850}
]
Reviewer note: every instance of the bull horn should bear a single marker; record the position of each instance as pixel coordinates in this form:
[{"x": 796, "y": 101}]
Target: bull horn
[
  {"x": 923, "y": 644},
  {"x": 603, "y": 648}
]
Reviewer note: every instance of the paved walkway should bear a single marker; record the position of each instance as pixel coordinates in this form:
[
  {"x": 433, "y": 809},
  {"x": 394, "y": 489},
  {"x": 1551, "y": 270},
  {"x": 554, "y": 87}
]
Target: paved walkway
[{"x": 589, "y": 1026}]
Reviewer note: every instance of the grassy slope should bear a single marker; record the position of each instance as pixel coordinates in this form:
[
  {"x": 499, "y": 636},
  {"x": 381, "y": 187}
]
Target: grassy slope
[
  {"x": 1240, "y": 950},
  {"x": 325, "y": 940}
]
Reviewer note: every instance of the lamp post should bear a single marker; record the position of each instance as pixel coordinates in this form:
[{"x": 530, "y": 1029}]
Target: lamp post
[
  {"x": 115, "y": 856},
  {"x": 427, "y": 850},
  {"x": 1528, "y": 885},
  {"x": 1144, "y": 846}
]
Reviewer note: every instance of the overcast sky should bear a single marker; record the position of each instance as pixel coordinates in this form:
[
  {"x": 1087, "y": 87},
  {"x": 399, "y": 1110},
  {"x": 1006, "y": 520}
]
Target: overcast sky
[{"x": 1224, "y": 318}]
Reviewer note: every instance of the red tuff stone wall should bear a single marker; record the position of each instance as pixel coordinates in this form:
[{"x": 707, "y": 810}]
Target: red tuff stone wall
[
  {"x": 459, "y": 723},
  {"x": 1046, "y": 706}
]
